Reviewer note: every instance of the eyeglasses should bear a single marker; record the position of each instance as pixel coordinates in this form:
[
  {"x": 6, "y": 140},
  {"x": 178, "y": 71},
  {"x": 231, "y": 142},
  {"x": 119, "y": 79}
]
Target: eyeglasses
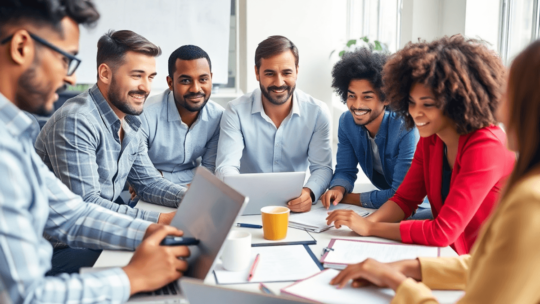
[{"x": 71, "y": 61}]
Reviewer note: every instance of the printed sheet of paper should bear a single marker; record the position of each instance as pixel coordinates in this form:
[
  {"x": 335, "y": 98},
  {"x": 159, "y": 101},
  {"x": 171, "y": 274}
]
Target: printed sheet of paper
[
  {"x": 276, "y": 264},
  {"x": 352, "y": 252},
  {"x": 315, "y": 220}
]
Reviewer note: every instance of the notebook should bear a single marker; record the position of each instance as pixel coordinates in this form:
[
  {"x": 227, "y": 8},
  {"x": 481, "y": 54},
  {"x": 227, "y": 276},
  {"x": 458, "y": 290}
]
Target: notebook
[
  {"x": 343, "y": 252},
  {"x": 317, "y": 288},
  {"x": 315, "y": 220},
  {"x": 276, "y": 264}
]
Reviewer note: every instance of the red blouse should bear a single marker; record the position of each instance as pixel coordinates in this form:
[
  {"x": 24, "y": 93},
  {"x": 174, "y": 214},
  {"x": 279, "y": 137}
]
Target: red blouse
[{"x": 482, "y": 165}]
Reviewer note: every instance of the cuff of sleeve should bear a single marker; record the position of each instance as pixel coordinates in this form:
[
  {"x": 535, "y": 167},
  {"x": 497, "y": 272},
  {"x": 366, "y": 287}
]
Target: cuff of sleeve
[
  {"x": 317, "y": 191},
  {"x": 447, "y": 273},
  {"x": 411, "y": 291},
  {"x": 405, "y": 231},
  {"x": 365, "y": 200},
  {"x": 136, "y": 231},
  {"x": 343, "y": 183},
  {"x": 117, "y": 282},
  {"x": 152, "y": 216}
]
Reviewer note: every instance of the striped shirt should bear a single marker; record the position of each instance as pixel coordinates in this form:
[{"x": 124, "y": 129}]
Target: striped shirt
[
  {"x": 81, "y": 145},
  {"x": 34, "y": 201}
]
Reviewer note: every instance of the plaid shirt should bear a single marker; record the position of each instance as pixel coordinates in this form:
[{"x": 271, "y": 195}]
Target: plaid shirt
[
  {"x": 33, "y": 201},
  {"x": 80, "y": 144}
]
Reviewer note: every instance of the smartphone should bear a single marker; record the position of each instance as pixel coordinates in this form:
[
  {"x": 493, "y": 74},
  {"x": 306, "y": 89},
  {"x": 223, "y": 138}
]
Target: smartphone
[{"x": 179, "y": 241}]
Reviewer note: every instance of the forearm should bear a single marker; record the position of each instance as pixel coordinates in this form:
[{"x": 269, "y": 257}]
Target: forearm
[
  {"x": 161, "y": 192},
  {"x": 150, "y": 216},
  {"x": 389, "y": 212},
  {"x": 385, "y": 230},
  {"x": 375, "y": 199}
]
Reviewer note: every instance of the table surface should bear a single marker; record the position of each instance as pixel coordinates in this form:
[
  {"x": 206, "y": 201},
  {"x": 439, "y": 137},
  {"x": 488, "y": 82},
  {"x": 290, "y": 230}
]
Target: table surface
[{"x": 110, "y": 258}]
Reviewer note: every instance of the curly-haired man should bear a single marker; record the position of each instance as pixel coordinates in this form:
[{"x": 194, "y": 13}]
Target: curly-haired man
[{"x": 369, "y": 134}]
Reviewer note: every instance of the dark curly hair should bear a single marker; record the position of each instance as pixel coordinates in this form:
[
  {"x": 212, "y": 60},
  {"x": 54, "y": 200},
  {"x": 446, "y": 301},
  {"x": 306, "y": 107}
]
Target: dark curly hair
[
  {"x": 360, "y": 64},
  {"x": 465, "y": 76},
  {"x": 187, "y": 52}
]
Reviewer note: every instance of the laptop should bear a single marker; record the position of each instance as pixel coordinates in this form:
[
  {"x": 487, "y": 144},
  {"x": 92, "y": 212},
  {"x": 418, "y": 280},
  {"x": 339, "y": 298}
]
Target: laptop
[
  {"x": 267, "y": 189},
  {"x": 207, "y": 212},
  {"x": 199, "y": 293}
]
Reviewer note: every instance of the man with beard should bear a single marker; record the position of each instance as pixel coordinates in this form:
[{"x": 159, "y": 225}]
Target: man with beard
[
  {"x": 39, "y": 40},
  {"x": 182, "y": 124},
  {"x": 369, "y": 134},
  {"x": 276, "y": 128},
  {"x": 93, "y": 142}
]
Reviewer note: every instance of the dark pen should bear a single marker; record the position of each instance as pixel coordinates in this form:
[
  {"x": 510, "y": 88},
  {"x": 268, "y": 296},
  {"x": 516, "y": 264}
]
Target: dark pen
[{"x": 248, "y": 226}]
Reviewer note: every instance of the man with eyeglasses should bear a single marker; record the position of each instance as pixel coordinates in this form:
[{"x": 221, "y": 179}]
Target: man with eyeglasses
[{"x": 34, "y": 66}]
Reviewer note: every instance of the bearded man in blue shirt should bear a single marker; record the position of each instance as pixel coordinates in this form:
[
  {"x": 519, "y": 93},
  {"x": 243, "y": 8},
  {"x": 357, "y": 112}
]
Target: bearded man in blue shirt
[{"x": 369, "y": 134}]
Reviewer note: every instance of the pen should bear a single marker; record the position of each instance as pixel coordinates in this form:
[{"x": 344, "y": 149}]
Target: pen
[
  {"x": 265, "y": 289},
  {"x": 248, "y": 225},
  {"x": 252, "y": 271}
]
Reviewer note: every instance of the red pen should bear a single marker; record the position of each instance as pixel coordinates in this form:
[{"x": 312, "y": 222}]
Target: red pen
[{"x": 252, "y": 271}]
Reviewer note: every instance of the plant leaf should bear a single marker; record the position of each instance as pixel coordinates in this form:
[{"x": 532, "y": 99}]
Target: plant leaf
[
  {"x": 378, "y": 46},
  {"x": 341, "y": 53},
  {"x": 351, "y": 42},
  {"x": 365, "y": 38}
]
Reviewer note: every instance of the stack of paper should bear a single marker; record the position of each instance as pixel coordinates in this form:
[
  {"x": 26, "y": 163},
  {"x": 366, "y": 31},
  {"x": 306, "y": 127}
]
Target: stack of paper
[
  {"x": 315, "y": 220},
  {"x": 342, "y": 252}
]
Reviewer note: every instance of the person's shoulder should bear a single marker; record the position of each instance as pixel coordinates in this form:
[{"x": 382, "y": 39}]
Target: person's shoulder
[
  {"x": 242, "y": 103},
  {"x": 491, "y": 135},
  {"x": 81, "y": 105},
  {"x": 309, "y": 100},
  {"x": 155, "y": 102},
  {"x": 526, "y": 191},
  {"x": 214, "y": 108}
]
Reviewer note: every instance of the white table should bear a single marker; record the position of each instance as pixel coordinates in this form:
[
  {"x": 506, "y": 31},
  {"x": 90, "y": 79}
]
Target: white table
[{"x": 110, "y": 258}]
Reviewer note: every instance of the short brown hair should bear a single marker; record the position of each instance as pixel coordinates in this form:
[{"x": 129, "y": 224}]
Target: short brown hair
[
  {"x": 464, "y": 75},
  {"x": 272, "y": 46},
  {"x": 113, "y": 46}
]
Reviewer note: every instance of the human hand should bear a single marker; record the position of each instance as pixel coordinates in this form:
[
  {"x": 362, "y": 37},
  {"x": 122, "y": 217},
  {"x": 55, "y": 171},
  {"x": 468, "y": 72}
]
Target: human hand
[
  {"x": 153, "y": 266},
  {"x": 302, "y": 203},
  {"x": 166, "y": 218},
  {"x": 380, "y": 274},
  {"x": 132, "y": 192},
  {"x": 350, "y": 219},
  {"x": 332, "y": 196}
]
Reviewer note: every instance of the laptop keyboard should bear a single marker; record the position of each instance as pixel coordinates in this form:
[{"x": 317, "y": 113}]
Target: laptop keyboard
[{"x": 170, "y": 289}]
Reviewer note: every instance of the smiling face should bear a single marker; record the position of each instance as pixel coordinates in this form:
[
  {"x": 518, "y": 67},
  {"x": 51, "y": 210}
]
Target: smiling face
[
  {"x": 363, "y": 102},
  {"x": 427, "y": 117},
  {"x": 192, "y": 84},
  {"x": 131, "y": 83},
  {"x": 277, "y": 77}
]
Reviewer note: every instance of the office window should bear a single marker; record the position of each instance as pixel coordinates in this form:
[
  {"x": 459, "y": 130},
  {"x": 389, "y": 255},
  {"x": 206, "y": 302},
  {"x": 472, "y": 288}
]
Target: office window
[
  {"x": 376, "y": 19},
  {"x": 232, "y": 51},
  {"x": 520, "y": 25}
]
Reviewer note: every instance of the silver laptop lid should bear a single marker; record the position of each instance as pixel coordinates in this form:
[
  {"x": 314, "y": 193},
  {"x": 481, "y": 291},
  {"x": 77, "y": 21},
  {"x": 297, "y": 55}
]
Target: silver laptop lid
[
  {"x": 267, "y": 189},
  {"x": 207, "y": 212},
  {"x": 198, "y": 293}
]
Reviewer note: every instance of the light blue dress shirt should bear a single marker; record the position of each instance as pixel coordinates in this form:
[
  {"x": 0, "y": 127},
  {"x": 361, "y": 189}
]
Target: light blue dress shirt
[
  {"x": 173, "y": 147},
  {"x": 250, "y": 142},
  {"x": 34, "y": 201},
  {"x": 81, "y": 145}
]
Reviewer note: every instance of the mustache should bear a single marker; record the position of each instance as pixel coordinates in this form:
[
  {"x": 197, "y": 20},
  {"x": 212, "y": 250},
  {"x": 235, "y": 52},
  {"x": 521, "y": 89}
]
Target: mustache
[
  {"x": 274, "y": 88},
  {"x": 198, "y": 94},
  {"x": 139, "y": 92}
]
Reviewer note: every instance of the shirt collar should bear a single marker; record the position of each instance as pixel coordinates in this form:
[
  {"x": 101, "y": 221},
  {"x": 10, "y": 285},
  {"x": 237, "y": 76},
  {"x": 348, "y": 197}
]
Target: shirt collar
[
  {"x": 15, "y": 120},
  {"x": 174, "y": 115},
  {"x": 108, "y": 115},
  {"x": 257, "y": 106}
]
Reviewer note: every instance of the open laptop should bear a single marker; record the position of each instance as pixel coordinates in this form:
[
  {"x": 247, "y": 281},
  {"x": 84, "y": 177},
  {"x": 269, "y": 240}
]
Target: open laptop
[
  {"x": 207, "y": 212},
  {"x": 199, "y": 293},
  {"x": 267, "y": 189}
]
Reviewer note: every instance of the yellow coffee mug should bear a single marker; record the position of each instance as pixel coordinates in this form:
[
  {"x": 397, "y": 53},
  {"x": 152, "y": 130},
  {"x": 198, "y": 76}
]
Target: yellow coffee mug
[{"x": 275, "y": 220}]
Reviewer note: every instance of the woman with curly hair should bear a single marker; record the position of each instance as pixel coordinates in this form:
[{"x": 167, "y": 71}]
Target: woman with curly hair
[
  {"x": 449, "y": 89},
  {"x": 504, "y": 266}
]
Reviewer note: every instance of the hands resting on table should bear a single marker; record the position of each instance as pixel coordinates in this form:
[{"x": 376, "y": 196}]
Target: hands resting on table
[{"x": 154, "y": 266}]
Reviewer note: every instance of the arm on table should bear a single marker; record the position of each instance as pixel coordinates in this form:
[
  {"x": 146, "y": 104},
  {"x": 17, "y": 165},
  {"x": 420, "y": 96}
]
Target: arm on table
[
  {"x": 72, "y": 153},
  {"x": 209, "y": 156}
]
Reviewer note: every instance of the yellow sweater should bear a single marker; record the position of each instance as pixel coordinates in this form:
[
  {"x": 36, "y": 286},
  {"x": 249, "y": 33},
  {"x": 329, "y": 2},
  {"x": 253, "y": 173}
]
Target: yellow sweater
[{"x": 504, "y": 266}]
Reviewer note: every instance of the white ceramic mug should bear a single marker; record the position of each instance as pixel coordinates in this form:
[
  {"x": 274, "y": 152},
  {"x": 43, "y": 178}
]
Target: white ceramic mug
[{"x": 236, "y": 251}]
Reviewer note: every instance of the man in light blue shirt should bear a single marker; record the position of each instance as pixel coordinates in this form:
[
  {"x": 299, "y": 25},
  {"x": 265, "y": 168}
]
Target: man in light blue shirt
[
  {"x": 38, "y": 43},
  {"x": 276, "y": 128},
  {"x": 181, "y": 125}
]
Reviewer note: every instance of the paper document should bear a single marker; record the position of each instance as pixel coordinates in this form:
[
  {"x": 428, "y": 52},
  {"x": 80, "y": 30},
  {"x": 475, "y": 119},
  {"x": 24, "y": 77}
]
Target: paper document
[
  {"x": 276, "y": 264},
  {"x": 315, "y": 220},
  {"x": 294, "y": 237},
  {"x": 318, "y": 288},
  {"x": 344, "y": 252}
]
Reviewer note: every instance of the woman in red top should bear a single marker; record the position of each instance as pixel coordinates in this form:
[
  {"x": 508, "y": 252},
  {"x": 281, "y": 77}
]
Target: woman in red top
[{"x": 449, "y": 89}]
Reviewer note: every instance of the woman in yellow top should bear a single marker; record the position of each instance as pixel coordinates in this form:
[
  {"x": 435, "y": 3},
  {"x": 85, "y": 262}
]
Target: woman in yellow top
[{"x": 504, "y": 266}]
